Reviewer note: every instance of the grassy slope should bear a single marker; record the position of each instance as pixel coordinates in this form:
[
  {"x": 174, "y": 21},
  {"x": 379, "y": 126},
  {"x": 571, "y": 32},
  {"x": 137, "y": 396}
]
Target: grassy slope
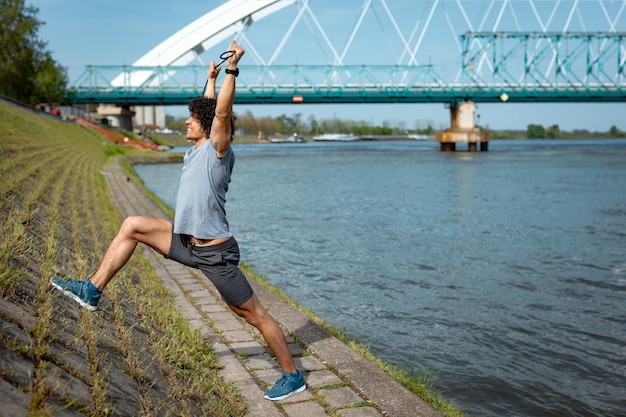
[{"x": 57, "y": 218}]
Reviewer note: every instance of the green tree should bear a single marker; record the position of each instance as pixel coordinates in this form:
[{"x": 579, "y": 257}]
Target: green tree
[
  {"x": 615, "y": 132},
  {"x": 315, "y": 127},
  {"x": 535, "y": 132},
  {"x": 289, "y": 125},
  {"x": 27, "y": 71},
  {"x": 268, "y": 125},
  {"x": 248, "y": 123},
  {"x": 553, "y": 132},
  {"x": 176, "y": 124}
]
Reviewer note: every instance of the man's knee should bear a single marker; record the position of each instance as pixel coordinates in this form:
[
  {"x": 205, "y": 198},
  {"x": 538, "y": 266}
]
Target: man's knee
[
  {"x": 131, "y": 226},
  {"x": 257, "y": 317},
  {"x": 251, "y": 311}
]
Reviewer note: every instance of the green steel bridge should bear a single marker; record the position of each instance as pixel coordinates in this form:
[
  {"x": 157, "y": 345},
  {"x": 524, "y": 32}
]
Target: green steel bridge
[{"x": 495, "y": 66}]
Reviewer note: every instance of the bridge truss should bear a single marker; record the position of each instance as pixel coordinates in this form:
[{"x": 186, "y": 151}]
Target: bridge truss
[{"x": 320, "y": 51}]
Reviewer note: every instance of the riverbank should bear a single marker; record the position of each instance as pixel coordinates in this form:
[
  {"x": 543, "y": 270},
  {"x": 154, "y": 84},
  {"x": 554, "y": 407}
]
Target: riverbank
[
  {"x": 340, "y": 381},
  {"x": 139, "y": 353}
]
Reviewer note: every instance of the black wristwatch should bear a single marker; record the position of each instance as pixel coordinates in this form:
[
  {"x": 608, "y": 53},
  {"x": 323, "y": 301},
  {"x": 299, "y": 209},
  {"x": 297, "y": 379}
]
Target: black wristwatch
[{"x": 235, "y": 72}]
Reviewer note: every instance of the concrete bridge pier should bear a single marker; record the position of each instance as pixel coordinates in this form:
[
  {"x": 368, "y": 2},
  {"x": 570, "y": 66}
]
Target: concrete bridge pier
[
  {"x": 120, "y": 116},
  {"x": 463, "y": 129}
]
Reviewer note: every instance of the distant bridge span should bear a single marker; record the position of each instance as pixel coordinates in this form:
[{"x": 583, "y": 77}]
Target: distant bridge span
[
  {"x": 580, "y": 71},
  {"x": 385, "y": 52}
]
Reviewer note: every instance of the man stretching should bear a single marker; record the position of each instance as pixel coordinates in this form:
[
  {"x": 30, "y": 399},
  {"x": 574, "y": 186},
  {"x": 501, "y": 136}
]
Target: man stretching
[{"x": 200, "y": 236}]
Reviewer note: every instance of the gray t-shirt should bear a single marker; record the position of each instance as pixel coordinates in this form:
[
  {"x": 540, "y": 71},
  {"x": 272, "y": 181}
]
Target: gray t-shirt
[{"x": 201, "y": 201}]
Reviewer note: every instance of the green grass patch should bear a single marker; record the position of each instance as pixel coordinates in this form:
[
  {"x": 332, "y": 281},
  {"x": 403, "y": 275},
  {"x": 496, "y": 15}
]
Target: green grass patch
[{"x": 57, "y": 218}]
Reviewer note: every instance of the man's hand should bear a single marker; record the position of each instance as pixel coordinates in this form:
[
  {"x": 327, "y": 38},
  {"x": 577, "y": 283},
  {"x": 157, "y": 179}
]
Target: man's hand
[
  {"x": 213, "y": 71},
  {"x": 209, "y": 90},
  {"x": 234, "y": 59}
]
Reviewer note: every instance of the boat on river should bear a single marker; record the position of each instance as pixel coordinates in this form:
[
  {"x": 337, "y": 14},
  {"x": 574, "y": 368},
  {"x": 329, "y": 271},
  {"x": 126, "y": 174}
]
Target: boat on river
[
  {"x": 414, "y": 136},
  {"x": 289, "y": 139},
  {"x": 337, "y": 137}
]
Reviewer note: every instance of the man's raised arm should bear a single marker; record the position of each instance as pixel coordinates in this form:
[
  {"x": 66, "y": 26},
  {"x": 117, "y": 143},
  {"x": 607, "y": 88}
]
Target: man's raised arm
[
  {"x": 209, "y": 91},
  {"x": 220, "y": 130}
]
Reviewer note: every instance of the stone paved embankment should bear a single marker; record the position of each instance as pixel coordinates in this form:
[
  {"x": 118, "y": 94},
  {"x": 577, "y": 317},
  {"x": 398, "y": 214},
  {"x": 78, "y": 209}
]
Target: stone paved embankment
[{"x": 338, "y": 378}]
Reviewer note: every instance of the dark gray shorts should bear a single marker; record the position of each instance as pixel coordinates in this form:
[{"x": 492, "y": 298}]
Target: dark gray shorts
[{"x": 219, "y": 264}]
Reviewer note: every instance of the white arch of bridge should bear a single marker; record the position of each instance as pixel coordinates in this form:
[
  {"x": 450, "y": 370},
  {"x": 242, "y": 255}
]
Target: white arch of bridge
[
  {"x": 186, "y": 45},
  {"x": 219, "y": 24},
  {"x": 410, "y": 31}
]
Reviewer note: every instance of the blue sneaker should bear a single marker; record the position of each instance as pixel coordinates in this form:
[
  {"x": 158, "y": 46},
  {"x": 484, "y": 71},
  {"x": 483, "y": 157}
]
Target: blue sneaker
[
  {"x": 83, "y": 292},
  {"x": 286, "y": 386}
]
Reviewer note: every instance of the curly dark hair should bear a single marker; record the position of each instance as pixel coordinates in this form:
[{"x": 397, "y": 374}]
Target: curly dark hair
[{"x": 203, "y": 109}]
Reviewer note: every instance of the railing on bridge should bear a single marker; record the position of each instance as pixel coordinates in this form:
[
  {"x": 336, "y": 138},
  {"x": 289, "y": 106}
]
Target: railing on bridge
[{"x": 523, "y": 67}]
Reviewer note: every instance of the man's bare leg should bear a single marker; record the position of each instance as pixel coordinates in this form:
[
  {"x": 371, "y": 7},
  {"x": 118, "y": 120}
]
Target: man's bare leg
[
  {"x": 156, "y": 233},
  {"x": 253, "y": 312},
  {"x": 291, "y": 380}
]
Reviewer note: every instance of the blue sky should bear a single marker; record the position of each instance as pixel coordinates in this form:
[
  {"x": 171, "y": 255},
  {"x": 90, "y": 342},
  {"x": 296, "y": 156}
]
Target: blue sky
[{"x": 116, "y": 32}]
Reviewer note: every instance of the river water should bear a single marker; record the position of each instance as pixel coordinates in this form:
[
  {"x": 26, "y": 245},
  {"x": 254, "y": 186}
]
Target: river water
[{"x": 502, "y": 273}]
